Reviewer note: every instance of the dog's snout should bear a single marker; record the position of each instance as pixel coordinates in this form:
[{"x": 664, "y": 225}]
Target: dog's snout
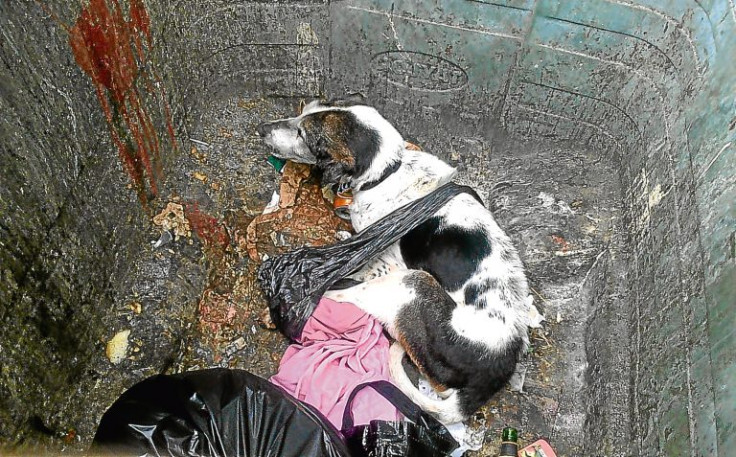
[{"x": 264, "y": 129}]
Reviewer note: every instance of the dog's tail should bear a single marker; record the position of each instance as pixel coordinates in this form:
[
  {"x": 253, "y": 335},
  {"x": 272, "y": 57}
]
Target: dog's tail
[{"x": 446, "y": 410}]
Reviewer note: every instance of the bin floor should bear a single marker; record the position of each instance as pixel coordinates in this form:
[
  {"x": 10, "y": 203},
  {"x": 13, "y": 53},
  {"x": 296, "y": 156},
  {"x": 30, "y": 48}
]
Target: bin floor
[{"x": 560, "y": 204}]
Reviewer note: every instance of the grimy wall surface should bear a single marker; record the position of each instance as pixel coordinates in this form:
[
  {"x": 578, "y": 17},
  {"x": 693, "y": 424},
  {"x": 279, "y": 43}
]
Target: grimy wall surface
[
  {"x": 69, "y": 229},
  {"x": 93, "y": 92}
]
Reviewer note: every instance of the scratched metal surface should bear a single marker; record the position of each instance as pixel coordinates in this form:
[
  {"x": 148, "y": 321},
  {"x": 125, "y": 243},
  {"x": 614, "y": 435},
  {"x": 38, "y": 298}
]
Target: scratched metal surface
[{"x": 610, "y": 123}]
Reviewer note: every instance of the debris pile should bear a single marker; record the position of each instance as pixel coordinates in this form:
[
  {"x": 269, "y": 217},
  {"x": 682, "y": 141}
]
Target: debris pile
[{"x": 303, "y": 217}]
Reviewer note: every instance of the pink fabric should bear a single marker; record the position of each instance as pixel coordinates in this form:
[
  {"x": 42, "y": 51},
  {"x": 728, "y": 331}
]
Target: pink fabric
[{"x": 341, "y": 347}]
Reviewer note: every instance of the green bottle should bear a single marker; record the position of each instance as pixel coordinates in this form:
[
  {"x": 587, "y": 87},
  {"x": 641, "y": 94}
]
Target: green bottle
[{"x": 509, "y": 444}]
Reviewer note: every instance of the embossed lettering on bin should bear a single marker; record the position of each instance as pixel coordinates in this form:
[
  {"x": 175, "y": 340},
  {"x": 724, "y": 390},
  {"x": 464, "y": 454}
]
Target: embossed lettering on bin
[{"x": 418, "y": 71}]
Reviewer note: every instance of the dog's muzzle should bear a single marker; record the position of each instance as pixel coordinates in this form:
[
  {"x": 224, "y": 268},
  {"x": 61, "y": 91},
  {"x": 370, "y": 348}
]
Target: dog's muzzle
[{"x": 264, "y": 129}]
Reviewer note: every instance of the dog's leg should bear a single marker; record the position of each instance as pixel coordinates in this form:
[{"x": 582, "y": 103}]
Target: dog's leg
[
  {"x": 402, "y": 302},
  {"x": 382, "y": 298},
  {"x": 446, "y": 410}
]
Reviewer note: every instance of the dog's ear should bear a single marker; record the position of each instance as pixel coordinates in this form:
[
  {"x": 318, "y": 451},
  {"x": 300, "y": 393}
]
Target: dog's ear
[
  {"x": 331, "y": 160},
  {"x": 321, "y": 149},
  {"x": 333, "y": 150},
  {"x": 349, "y": 100},
  {"x": 330, "y": 132}
]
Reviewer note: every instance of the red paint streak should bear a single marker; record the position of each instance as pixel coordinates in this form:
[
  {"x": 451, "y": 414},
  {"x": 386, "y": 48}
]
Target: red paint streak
[
  {"x": 210, "y": 230},
  {"x": 564, "y": 245},
  {"x": 112, "y": 51}
]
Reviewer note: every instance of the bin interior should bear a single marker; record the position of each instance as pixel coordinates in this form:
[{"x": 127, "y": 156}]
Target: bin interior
[{"x": 601, "y": 133}]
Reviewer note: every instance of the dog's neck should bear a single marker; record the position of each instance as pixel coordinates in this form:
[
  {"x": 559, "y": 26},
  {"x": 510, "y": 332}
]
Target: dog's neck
[
  {"x": 417, "y": 174},
  {"x": 368, "y": 185},
  {"x": 385, "y": 161}
]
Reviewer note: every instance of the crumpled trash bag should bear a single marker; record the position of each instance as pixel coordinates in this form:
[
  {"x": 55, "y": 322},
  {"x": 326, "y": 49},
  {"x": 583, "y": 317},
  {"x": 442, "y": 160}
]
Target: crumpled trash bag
[
  {"x": 216, "y": 412},
  {"x": 294, "y": 282},
  {"x": 420, "y": 436}
]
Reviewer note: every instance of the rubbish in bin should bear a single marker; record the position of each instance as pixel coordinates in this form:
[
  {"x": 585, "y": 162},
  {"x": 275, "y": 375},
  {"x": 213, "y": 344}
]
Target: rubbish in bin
[
  {"x": 163, "y": 240},
  {"x": 117, "y": 348},
  {"x": 516, "y": 382},
  {"x": 172, "y": 218},
  {"x": 209, "y": 229},
  {"x": 216, "y": 311},
  {"x": 340, "y": 347},
  {"x": 420, "y": 436},
  {"x": 295, "y": 281},
  {"x": 539, "y": 448},
  {"x": 216, "y": 412},
  {"x": 302, "y": 217},
  {"x": 276, "y": 163}
]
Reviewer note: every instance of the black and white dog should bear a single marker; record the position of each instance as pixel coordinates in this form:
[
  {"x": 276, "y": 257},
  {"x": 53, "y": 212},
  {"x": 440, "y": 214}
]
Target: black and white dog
[{"x": 452, "y": 293}]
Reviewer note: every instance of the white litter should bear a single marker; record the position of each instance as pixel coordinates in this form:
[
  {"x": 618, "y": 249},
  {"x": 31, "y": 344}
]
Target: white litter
[
  {"x": 557, "y": 206},
  {"x": 534, "y": 317},
  {"x": 273, "y": 205},
  {"x": 516, "y": 383},
  {"x": 165, "y": 238}
]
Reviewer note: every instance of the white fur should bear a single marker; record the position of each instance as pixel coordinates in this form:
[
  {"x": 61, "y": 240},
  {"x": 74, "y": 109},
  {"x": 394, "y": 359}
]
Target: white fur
[
  {"x": 476, "y": 325},
  {"x": 285, "y": 139},
  {"x": 382, "y": 298}
]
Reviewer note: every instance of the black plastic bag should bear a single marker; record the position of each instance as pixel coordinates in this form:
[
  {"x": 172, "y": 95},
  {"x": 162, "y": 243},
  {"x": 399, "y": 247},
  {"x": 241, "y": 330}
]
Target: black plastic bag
[
  {"x": 419, "y": 436},
  {"x": 217, "y": 412},
  {"x": 294, "y": 282}
]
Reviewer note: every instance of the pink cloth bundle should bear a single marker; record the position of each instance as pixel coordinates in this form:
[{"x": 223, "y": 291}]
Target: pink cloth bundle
[{"x": 340, "y": 347}]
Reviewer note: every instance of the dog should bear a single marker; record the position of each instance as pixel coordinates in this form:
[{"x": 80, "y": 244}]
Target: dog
[{"x": 452, "y": 293}]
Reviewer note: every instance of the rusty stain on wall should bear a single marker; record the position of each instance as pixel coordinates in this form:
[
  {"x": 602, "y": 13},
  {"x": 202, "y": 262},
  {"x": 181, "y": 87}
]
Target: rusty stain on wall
[{"x": 113, "y": 51}]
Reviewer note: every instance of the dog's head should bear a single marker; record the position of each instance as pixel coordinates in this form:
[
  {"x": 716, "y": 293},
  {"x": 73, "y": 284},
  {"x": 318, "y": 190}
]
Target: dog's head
[{"x": 344, "y": 138}]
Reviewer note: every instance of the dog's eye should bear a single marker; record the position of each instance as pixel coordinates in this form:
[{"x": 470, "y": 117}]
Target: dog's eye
[{"x": 300, "y": 133}]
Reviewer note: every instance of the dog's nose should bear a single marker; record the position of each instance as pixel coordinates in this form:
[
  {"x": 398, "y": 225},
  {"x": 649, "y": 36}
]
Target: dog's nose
[{"x": 263, "y": 129}]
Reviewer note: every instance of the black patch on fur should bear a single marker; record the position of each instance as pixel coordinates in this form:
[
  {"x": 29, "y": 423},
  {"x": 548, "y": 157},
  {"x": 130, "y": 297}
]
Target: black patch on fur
[
  {"x": 474, "y": 291},
  {"x": 364, "y": 142},
  {"x": 492, "y": 313},
  {"x": 360, "y": 141},
  {"x": 443, "y": 355},
  {"x": 492, "y": 374},
  {"x": 451, "y": 255}
]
